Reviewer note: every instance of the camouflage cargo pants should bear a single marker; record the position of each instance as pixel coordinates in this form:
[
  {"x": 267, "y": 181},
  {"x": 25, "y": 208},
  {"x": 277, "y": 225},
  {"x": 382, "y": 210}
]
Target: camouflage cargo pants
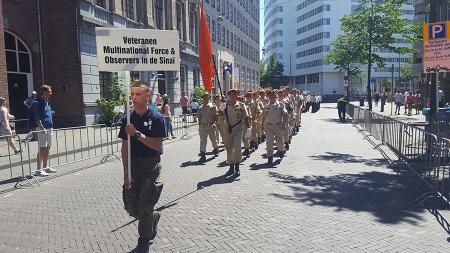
[{"x": 140, "y": 200}]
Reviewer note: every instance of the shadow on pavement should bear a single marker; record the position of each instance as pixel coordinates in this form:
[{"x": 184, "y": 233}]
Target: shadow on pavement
[
  {"x": 348, "y": 158},
  {"x": 261, "y": 166},
  {"x": 223, "y": 179},
  {"x": 386, "y": 196},
  {"x": 333, "y": 120}
]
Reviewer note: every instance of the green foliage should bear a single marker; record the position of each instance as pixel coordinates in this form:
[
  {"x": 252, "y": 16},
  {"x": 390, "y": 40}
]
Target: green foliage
[
  {"x": 106, "y": 105},
  {"x": 197, "y": 94},
  {"x": 386, "y": 85},
  {"x": 343, "y": 56},
  {"x": 272, "y": 76}
]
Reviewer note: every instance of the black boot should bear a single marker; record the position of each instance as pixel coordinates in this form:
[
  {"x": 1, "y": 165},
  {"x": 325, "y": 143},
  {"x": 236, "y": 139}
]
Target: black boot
[
  {"x": 246, "y": 153},
  {"x": 142, "y": 246},
  {"x": 286, "y": 145},
  {"x": 270, "y": 161},
  {"x": 237, "y": 172},
  {"x": 259, "y": 140},
  {"x": 256, "y": 146},
  {"x": 263, "y": 138},
  {"x": 252, "y": 144},
  {"x": 202, "y": 157},
  {"x": 230, "y": 171},
  {"x": 216, "y": 152}
]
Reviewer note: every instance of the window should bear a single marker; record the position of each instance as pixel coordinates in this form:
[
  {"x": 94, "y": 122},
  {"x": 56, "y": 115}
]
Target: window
[
  {"x": 105, "y": 79},
  {"x": 218, "y": 5},
  {"x": 129, "y": 9},
  {"x": 223, "y": 36},
  {"x": 102, "y": 3},
  {"x": 219, "y": 39},
  {"x": 228, "y": 39},
  {"x": 312, "y": 78},
  {"x": 192, "y": 27},
  {"x": 17, "y": 55},
  {"x": 213, "y": 3},
  {"x": 183, "y": 86},
  {"x": 159, "y": 14},
  {"x": 300, "y": 79},
  {"x": 213, "y": 30},
  {"x": 181, "y": 24}
]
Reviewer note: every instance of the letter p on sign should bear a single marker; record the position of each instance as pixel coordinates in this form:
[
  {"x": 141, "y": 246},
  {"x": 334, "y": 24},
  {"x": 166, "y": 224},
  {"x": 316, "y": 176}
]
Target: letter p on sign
[{"x": 437, "y": 31}]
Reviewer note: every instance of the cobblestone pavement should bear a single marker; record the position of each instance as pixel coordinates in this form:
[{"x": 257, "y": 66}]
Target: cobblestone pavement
[{"x": 332, "y": 193}]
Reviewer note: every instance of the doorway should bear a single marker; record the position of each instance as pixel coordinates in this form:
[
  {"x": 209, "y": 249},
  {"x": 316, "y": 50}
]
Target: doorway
[{"x": 18, "y": 92}]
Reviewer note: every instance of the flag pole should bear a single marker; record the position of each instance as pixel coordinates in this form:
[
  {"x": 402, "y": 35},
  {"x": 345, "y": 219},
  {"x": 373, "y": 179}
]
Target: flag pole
[
  {"x": 217, "y": 76},
  {"x": 128, "y": 122}
]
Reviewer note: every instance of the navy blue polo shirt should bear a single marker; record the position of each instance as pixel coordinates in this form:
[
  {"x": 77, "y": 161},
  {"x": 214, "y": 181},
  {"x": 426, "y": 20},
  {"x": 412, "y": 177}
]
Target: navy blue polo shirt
[
  {"x": 43, "y": 112},
  {"x": 151, "y": 124}
]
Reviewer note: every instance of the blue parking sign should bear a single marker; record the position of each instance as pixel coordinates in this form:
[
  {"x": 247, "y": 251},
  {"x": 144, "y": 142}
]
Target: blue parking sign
[{"x": 437, "y": 31}]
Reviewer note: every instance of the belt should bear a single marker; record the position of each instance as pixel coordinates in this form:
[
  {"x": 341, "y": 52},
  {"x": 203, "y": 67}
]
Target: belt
[{"x": 270, "y": 123}]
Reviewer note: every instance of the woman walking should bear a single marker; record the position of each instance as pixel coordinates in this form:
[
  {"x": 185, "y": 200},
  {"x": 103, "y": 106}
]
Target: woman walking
[
  {"x": 165, "y": 111},
  {"x": 5, "y": 129}
]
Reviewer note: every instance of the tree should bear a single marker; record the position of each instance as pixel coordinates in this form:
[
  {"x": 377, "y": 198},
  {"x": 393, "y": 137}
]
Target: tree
[
  {"x": 344, "y": 55},
  {"x": 272, "y": 76},
  {"x": 107, "y": 104},
  {"x": 197, "y": 94},
  {"x": 372, "y": 25}
]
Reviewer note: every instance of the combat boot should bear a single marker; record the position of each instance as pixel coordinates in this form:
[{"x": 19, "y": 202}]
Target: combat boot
[
  {"x": 216, "y": 152},
  {"x": 270, "y": 161},
  {"x": 256, "y": 145},
  {"x": 202, "y": 157},
  {"x": 230, "y": 171},
  {"x": 252, "y": 144},
  {"x": 286, "y": 146},
  {"x": 259, "y": 140},
  {"x": 246, "y": 153},
  {"x": 237, "y": 172},
  {"x": 142, "y": 246}
]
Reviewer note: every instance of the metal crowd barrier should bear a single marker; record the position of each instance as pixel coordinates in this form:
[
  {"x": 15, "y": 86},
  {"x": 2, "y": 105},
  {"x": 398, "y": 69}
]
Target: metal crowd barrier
[
  {"x": 75, "y": 144},
  {"x": 425, "y": 152}
]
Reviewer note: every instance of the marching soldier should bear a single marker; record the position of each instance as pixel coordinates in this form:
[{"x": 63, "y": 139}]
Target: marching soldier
[
  {"x": 282, "y": 99},
  {"x": 256, "y": 110},
  {"x": 265, "y": 101},
  {"x": 245, "y": 136},
  {"x": 220, "y": 125},
  {"x": 235, "y": 116},
  {"x": 274, "y": 119},
  {"x": 207, "y": 117}
]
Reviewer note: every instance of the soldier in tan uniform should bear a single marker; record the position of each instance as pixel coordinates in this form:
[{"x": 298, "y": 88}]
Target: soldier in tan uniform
[
  {"x": 245, "y": 136},
  {"x": 265, "y": 101},
  {"x": 256, "y": 110},
  {"x": 220, "y": 125},
  {"x": 274, "y": 121},
  {"x": 235, "y": 116},
  {"x": 207, "y": 117}
]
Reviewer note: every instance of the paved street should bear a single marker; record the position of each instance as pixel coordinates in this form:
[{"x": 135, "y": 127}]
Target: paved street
[
  {"x": 414, "y": 118},
  {"x": 332, "y": 193}
]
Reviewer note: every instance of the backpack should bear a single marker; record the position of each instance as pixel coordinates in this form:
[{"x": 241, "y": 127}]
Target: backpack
[{"x": 30, "y": 115}]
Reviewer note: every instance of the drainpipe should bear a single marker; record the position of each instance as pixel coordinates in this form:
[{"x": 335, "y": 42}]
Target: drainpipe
[{"x": 41, "y": 47}]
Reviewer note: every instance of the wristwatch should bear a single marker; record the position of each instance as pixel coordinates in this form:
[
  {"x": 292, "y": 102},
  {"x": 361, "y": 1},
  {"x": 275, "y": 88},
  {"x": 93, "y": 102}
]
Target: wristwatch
[{"x": 137, "y": 134}]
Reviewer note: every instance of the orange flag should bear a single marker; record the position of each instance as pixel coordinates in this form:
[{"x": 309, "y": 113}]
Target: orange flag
[{"x": 205, "y": 52}]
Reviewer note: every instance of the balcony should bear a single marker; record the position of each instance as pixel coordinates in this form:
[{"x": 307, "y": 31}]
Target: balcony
[{"x": 95, "y": 14}]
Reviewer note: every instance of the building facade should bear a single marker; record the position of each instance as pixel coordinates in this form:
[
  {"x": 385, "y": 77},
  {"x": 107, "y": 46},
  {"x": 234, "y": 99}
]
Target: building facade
[
  {"x": 234, "y": 29},
  {"x": 53, "y": 42},
  {"x": 300, "y": 34},
  {"x": 430, "y": 11}
]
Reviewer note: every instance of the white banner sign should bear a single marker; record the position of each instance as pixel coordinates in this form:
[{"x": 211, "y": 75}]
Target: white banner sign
[{"x": 137, "y": 49}]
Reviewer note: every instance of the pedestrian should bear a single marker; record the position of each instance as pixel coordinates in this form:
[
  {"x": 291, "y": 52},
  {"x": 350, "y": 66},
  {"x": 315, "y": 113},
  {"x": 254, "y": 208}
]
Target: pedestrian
[
  {"x": 256, "y": 109},
  {"x": 158, "y": 100},
  {"x": 383, "y": 101},
  {"x": 405, "y": 102},
  {"x": 146, "y": 131},
  {"x": 235, "y": 116},
  {"x": 43, "y": 125},
  {"x": 165, "y": 111},
  {"x": 418, "y": 102},
  {"x": 376, "y": 98},
  {"x": 29, "y": 101},
  {"x": 398, "y": 99},
  {"x": 410, "y": 102},
  {"x": 341, "y": 105},
  {"x": 5, "y": 129},
  {"x": 246, "y": 131},
  {"x": 194, "y": 108},
  {"x": 184, "y": 103},
  {"x": 440, "y": 98},
  {"x": 207, "y": 118},
  {"x": 274, "y": 119}
]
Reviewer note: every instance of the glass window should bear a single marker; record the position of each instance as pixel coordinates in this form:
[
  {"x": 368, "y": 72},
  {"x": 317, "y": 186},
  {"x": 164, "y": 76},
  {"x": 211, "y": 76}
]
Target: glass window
[
  {"x": 105, "y": 79},
  {"x": 10, "y": 41},
  {"x": 213, "y": 30},
  {"x": 159, "y": 14},
  {"x": 180, "y": 20},
  {"x": 101, "y": 3},
  {"x": 24, "y": 62},
  {"x": 11, "y": 61},
  {"x": 128, "y": 8}
]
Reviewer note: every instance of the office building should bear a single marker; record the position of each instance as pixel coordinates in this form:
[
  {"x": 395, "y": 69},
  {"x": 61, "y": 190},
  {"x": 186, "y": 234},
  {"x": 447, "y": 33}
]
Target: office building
[{"x": 300, "y": 34}]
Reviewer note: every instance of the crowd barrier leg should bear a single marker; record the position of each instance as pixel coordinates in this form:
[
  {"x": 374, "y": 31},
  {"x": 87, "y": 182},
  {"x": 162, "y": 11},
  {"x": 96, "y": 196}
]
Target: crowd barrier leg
[
  {"x": 23, "y": 178},
  {"x": 110, "y": 156},
  {"x": 186, "y": 135}
]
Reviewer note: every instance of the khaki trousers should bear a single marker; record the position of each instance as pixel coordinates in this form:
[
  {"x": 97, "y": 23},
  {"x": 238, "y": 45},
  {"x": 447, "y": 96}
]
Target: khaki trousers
[
  {"x": 273, "y": 130},
  {"x": 233, "y": 144},
  {"x": 205, "y": 131}
]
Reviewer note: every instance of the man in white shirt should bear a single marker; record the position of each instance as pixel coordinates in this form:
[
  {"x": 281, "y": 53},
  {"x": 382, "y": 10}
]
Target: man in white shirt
[{"x": 398, "y": 99}]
